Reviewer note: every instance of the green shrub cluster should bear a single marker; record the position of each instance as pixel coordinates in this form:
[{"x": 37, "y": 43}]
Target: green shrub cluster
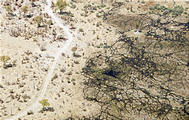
[{"x": 175, "y": 11}]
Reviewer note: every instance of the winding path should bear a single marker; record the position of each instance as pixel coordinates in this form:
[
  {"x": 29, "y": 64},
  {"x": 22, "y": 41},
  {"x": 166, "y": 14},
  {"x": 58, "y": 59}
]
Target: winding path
[{"x": 33, "y": 107}]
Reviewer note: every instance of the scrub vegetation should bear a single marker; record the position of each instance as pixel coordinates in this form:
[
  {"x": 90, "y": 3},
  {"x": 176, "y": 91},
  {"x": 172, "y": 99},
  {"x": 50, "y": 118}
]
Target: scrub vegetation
[{"x": 142, "y": 76}]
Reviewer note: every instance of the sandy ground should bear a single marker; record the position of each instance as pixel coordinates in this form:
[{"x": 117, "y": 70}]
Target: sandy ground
[
  {"x": 32, "y": 52},
  {"x": 21, "y": 84}
]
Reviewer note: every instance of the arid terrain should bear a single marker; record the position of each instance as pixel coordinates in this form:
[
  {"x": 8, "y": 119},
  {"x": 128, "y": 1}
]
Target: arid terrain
[{"x": 94, "y": 60}]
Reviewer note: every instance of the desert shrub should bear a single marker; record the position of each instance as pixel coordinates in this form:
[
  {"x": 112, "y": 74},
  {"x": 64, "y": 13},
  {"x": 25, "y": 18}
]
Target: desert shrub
[
  {"x": 4, "y": 58},
  {"x": 6, "y": 63},
  {"x": 25, "y": 9},
  {"x": 61, "y": 5},
  {"x": 38, "y": 20},
  {"x": 8, "y": 9},
  {"x": 50, "y": 22},
  {"x": 44, "y": 103}
]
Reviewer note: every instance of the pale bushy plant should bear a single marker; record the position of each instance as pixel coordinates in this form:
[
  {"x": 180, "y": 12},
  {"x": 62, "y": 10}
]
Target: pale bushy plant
[{"x": 61, "y": 5}]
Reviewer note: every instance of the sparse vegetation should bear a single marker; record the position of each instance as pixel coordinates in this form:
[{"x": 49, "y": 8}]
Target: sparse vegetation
[
  {"x": 138, "y": 66},
  {"x": 131, "y": 77}
]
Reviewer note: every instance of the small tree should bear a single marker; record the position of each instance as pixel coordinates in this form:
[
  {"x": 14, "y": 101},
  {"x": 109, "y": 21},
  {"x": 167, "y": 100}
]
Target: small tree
[{"x": 60, "y": 4}]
